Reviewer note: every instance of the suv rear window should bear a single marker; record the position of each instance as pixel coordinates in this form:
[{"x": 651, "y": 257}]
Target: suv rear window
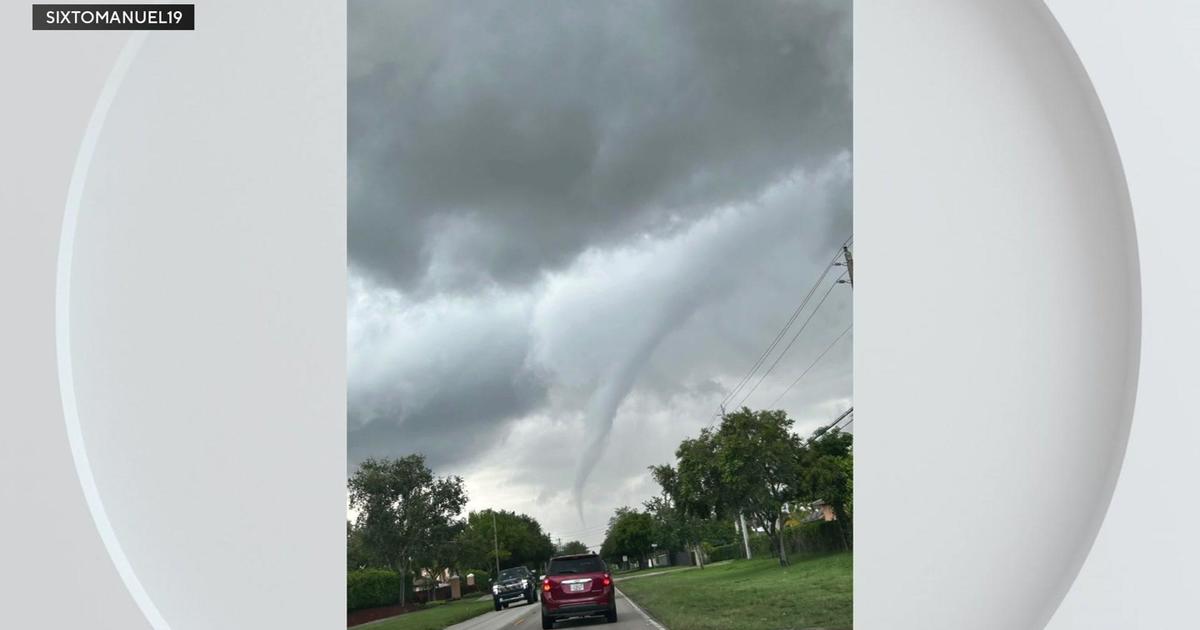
[{"x": 585, "y": 564}]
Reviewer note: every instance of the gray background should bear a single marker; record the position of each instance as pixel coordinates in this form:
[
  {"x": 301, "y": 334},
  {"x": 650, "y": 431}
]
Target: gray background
[
  {"x": 206, "y": 323},
  {"x": 226, "y": 495},
  {"x": 998, "y": 381}
]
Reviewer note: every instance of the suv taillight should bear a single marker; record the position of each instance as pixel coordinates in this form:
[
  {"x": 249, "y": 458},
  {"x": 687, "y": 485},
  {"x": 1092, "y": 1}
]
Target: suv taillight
[
  {"x": 607, "y": 580},
  {"x": 546, "y": 585}
]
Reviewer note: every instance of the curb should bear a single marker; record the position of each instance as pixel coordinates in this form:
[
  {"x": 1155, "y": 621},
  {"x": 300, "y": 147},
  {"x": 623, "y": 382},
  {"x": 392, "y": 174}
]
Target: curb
[{"x": 651, "y": 620}]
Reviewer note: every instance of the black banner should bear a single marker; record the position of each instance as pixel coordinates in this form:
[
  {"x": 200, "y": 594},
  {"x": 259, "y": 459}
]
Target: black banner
[{"x": 114, "y": 17}]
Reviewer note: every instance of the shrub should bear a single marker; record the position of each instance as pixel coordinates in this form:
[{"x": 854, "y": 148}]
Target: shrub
[
  {"x": 816, "y": 537},
  {"x": 369, "y": 588}
]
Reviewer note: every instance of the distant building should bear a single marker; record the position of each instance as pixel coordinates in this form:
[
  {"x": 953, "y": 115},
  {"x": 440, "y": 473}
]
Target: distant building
[
  {"x": 809, "y": 512},
  {"x": 821, "y": 511}
]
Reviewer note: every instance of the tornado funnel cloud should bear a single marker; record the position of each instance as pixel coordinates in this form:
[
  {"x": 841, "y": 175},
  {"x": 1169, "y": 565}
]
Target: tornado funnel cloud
[{"x": 684, "y": 272}]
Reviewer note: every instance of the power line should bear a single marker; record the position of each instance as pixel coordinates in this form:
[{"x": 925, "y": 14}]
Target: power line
[
  {"x": 849, "y": 413},
  {"x": 811, "y": 365},
  {"x": 789, "y": 345},
  {"x": 782, "y": 331}
]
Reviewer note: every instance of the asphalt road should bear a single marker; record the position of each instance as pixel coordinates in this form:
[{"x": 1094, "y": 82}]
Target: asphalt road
[{"x": 528, "y": 616}]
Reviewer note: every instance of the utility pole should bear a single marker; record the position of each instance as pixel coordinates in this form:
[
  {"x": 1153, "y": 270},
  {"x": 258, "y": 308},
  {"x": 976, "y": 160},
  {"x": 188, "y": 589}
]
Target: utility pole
[
  {"x": 496, "y": 542},
  {"x": 745, "y": 533},
  {"x": 849, "y": 263}
]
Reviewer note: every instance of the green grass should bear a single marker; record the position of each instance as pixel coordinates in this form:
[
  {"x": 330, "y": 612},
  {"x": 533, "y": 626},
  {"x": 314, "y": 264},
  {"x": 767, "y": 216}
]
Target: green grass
[
  {"x": 435, "y": 617},
  {"x": 814, "y": 592}
]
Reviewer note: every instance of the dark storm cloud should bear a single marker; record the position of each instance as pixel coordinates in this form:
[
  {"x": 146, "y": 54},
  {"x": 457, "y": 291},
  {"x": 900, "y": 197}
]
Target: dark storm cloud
[
  {"x": 436, "y": 377},
  {"x": 492, "y": 141}
]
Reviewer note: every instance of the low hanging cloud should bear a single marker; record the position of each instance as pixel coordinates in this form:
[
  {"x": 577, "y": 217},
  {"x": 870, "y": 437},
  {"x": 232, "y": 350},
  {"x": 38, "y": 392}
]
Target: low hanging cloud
[{"x": 567, "y": 219}]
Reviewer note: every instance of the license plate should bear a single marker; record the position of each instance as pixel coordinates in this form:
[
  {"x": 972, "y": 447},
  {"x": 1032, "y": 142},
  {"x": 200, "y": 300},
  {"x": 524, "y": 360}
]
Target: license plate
[{"x": 575, "y": 588}]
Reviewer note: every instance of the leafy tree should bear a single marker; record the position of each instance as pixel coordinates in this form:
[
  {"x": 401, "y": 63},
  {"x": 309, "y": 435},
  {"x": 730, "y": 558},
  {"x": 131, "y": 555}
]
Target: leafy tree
[
  {"x": 443, "y": 553},
  {"x": 697, "y": 486},
  {"x": 759, "y": 459},
  {"x": 751, "y": 464},
  {"x": 827, "y": 474},
  {"x": 356, "y": 552},
  {"x": 403, "y": 511},
  {"x": 572, "y": 547},
  {"x": 755, "y": 465},
  {"x": 848, "y": 471},
  {"x": 675, "y": 527},
  {"x": 520, "y": 537},
  {"x": 630, "y": 533}
]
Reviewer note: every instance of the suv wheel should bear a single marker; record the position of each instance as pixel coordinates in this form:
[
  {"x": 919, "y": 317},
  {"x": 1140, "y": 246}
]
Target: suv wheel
[
  {"x": 611, "y": 615},
  {"x": 547, "y": 622}
]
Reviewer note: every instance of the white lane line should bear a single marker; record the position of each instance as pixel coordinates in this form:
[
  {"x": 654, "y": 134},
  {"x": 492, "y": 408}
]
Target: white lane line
[{"x": 650, "y": 620}]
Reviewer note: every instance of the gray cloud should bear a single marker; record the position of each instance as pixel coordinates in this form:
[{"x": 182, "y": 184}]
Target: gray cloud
[
  {"x": 490, "y": 141},
  {"x": 573, "y": 226}
]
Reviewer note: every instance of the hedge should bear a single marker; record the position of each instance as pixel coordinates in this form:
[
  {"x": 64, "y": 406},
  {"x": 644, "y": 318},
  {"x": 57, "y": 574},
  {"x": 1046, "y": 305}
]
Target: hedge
[
  {"x": 369, "y": 588},
  {"x": 819, "y": 537},
  {"x": 811, "y": 537}
]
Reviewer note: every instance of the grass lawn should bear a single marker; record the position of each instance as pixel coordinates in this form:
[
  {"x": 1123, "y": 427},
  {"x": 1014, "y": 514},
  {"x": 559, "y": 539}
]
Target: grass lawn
[
  {"x": 435, "y": 617},
  {"x": 814, "y": 592}
]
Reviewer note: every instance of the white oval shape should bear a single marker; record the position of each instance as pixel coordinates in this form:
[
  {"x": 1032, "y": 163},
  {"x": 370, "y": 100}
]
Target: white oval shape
[
  {"x": 996, "y": 358},
  {"x": 206, "y": 325}
]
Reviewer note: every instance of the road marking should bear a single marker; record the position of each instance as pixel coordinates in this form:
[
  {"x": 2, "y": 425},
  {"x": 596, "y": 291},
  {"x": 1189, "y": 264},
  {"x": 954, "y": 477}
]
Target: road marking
[{"x": 650, "y": 620}]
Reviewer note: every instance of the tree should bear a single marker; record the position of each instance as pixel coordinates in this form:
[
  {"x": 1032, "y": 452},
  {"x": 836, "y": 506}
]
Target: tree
[
  {"x": 572, "y": 547},
  {"x": 356, "y": 552},
  {"x": 827, "y": 474},
  {"x": 519, "y": 537},
  {"x": 697, "y": 486},
  {"x": 759, "y": 459},
  {"x": 442, "y": 554},
  {"x": 404, "y": 511},
  {"x": 751, "y": 464},
  {"x": 848, "y": 471},
  {"x": 630, "y": 533},
  {"x": 675, "y": 527}
]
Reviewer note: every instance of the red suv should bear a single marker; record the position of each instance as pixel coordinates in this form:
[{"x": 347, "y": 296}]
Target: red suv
[{"x": 577, "y": 586}]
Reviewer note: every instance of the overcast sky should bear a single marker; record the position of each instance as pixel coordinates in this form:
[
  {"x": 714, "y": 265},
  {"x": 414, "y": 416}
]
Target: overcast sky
[{"x": 574, "y": 226}]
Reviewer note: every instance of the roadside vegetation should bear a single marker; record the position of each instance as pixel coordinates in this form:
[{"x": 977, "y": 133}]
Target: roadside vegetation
[
  {"x": 410, "y": 536},
  {"x": 811, "y": 592},
  {"x": 435, "y": 616},
  {"x": 792, "y": 494},
  {"x": 753, "y": 469}
]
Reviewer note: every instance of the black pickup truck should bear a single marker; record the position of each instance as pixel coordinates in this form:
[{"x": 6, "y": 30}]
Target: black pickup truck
[{"x": 514, "y": 584}]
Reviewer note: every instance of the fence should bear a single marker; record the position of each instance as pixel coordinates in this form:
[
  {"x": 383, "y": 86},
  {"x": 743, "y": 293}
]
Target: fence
[{"x": 814, "y": 537}]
